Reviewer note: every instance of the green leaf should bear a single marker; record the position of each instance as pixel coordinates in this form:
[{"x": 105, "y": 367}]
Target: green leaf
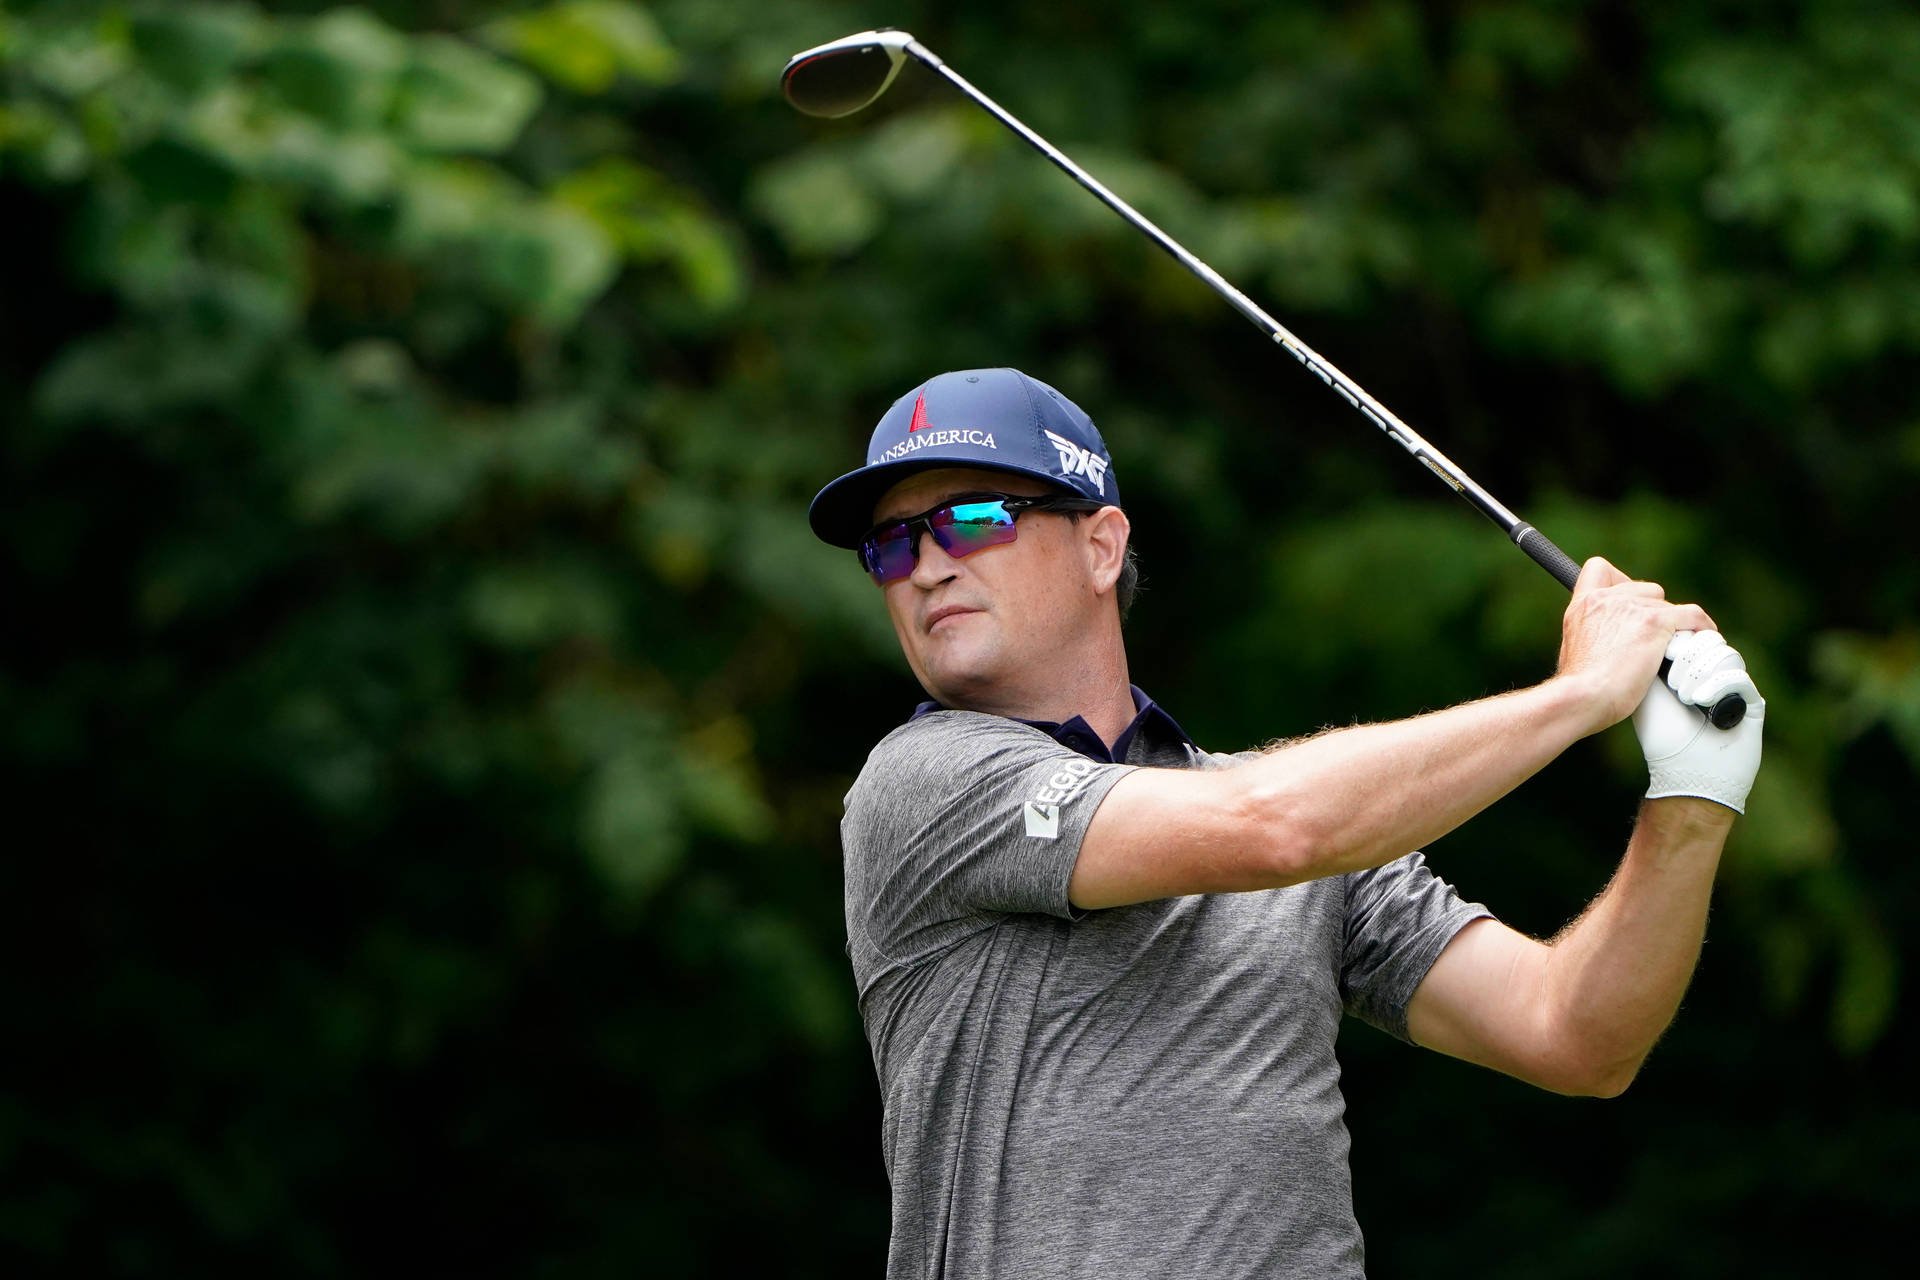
[
  {"x": 652, "y": 221},
  {"x": 454, "y": 97},
  {"x": 818, "y": 202},
  {"x": 587, "y": 45},
  {"x": 50, "y": 146},
  {"x": 911, "y": 155},
  {"x": 549, "y": 260},
  {"x": 445, "y": 204},
  {"x": 543, "y": 258},
  {"x": 1877, "y": 680},
  {"x": 73, "y": 54},
  {"x": 195, "y": 46},
  {"x": 342, "y": 68}
]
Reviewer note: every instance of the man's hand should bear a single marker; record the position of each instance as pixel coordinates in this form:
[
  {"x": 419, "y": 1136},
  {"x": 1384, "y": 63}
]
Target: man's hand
[
  {"x": 1613, "y": 636},
  {"x": 1579, "y": 1014},
  {"x": 1686, "y": 756}
]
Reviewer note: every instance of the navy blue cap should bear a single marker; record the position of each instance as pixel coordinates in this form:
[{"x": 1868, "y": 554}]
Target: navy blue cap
[{"x": 999, "y": 419}]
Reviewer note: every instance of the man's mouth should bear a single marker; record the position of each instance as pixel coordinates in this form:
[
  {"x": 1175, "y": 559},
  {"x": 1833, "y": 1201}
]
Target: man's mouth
[{"x": 946, "y": 611}]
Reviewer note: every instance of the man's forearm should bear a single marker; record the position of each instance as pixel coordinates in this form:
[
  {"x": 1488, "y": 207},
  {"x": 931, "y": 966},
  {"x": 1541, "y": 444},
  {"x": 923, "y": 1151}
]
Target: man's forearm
[
  {"x": 1615, "y": 976},
  {"x": 1360, "y": 797}
]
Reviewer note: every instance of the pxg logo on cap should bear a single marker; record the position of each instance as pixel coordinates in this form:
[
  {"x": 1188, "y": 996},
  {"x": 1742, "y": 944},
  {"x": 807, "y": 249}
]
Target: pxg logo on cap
[
  {"x": 996, "y": 419},
  {"x": 1082, "y": 462}
]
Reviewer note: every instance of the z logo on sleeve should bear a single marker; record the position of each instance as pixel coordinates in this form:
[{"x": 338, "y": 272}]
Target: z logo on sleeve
[
  {"x": 1043, "y": 811},
  {"x": 1043, "y": 820}
]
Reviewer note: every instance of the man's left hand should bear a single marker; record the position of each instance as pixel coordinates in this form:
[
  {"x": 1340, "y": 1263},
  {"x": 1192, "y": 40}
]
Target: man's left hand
[{"x": 1687, "y": 756}]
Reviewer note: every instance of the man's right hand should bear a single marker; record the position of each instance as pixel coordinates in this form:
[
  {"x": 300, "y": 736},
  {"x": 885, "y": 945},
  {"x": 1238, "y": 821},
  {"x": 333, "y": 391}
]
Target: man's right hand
[{"x": 1614, "y": 634}]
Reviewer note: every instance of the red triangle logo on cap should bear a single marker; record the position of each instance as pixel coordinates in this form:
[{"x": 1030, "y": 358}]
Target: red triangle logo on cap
[{"x": 919, "y": 415}]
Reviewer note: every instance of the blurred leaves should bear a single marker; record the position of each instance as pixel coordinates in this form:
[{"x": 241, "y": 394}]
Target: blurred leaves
[
  {"x": 1877, "y": 681},
  {"x": 456, "y": 98},
  {"x": 650, "y": 221},
  {"x": 1819, "y": 137},
  {"x": 588, "y": 45},
  {"x": 371, "y": 482}
]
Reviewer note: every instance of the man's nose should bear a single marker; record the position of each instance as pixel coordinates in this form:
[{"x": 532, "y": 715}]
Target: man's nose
[{"x": 932, "y": 565}]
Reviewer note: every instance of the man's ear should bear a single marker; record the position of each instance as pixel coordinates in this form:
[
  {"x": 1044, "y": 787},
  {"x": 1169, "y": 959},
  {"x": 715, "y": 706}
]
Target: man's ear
[{"x": 1107, "y": 531}]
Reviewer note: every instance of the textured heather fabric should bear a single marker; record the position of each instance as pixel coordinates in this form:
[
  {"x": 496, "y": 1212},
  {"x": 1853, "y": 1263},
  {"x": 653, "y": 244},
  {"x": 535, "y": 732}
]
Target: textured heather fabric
[{"x": 1142, "y": 1091}]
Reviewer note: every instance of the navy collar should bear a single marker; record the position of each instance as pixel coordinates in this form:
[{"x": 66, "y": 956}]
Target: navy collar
[{"x": 1150, "y": 728}]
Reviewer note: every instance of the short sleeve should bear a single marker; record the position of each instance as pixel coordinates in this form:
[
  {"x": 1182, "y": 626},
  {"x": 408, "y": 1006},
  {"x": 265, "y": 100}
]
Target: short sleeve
[
  {"x": 1399, "y": 919},
  {"x": 957, "y": 820}
]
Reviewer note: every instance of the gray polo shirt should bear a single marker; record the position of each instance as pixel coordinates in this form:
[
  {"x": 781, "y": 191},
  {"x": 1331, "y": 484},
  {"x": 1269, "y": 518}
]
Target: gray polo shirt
[{"x": 1141, "y": 1091}]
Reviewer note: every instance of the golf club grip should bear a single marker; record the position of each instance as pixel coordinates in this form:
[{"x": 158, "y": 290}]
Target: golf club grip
[
  {"x": 1549, "y": 557},
  {"x": 1724, "y": 714}
]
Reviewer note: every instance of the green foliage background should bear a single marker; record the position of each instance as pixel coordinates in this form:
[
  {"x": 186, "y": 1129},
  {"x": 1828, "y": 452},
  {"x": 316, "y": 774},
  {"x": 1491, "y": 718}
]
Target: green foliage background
[{"x": 426, "y": 715}]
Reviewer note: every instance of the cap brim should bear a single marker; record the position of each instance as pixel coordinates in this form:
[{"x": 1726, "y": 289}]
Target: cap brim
[{"x": 842, "y": 512}]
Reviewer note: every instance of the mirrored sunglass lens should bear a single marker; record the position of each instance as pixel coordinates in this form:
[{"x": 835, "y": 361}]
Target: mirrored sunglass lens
[
  {"x": 889, "y": 553},
  {"x": 970, "y": 526}
]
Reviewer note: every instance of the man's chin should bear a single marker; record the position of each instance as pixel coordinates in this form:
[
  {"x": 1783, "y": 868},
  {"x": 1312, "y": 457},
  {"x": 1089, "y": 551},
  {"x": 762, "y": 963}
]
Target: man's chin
[{"x": 959, "y": 679}]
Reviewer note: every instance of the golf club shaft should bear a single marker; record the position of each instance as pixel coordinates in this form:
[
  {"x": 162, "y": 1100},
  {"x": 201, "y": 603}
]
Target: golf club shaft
[
  {"x": 1530, "y": 540},
  {"x": 1724, "y": 714}
]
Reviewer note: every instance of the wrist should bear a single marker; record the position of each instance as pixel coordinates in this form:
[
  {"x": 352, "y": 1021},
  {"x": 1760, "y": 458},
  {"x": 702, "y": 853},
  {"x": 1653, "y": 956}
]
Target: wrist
[
  {"x": 1689, "y": 817},
  {"x": 1578, "y": 699}
]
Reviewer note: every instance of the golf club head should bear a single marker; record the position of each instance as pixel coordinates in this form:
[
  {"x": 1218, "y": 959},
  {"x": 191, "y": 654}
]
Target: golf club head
[{"x": 842, "y": 76}]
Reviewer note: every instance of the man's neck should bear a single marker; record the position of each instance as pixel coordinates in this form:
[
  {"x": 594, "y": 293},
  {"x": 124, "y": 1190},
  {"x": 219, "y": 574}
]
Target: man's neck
[
  {"x": 1109, "y": 713},
  {"x": 1099, "y": 694}
]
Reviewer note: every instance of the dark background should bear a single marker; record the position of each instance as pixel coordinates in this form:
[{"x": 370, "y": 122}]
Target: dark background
[{"x": 425, "y": 715}]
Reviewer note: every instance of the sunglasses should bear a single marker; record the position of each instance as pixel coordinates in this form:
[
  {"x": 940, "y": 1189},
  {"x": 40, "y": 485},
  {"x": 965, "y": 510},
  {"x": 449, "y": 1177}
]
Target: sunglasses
[{"x": 961, "y": 526}]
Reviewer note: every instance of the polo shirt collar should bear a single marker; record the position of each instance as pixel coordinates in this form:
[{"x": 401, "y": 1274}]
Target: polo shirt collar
[{"x": 1151, "y": 727}]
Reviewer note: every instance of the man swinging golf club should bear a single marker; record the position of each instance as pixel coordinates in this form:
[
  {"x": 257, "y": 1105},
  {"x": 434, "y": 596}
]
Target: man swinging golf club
[{"x": 1101, "y": 970}]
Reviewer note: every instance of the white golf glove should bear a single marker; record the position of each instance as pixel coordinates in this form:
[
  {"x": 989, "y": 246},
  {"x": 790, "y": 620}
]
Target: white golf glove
[{"x": 1686, "y": 756}]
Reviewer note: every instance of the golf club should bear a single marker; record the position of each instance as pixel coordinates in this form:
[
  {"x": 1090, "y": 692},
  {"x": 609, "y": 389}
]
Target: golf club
[{"x": 842, "y": 76}]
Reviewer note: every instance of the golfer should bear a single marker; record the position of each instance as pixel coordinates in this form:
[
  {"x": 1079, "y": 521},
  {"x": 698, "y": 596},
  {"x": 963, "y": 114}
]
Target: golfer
[{"x": 1101, "y": 969}]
